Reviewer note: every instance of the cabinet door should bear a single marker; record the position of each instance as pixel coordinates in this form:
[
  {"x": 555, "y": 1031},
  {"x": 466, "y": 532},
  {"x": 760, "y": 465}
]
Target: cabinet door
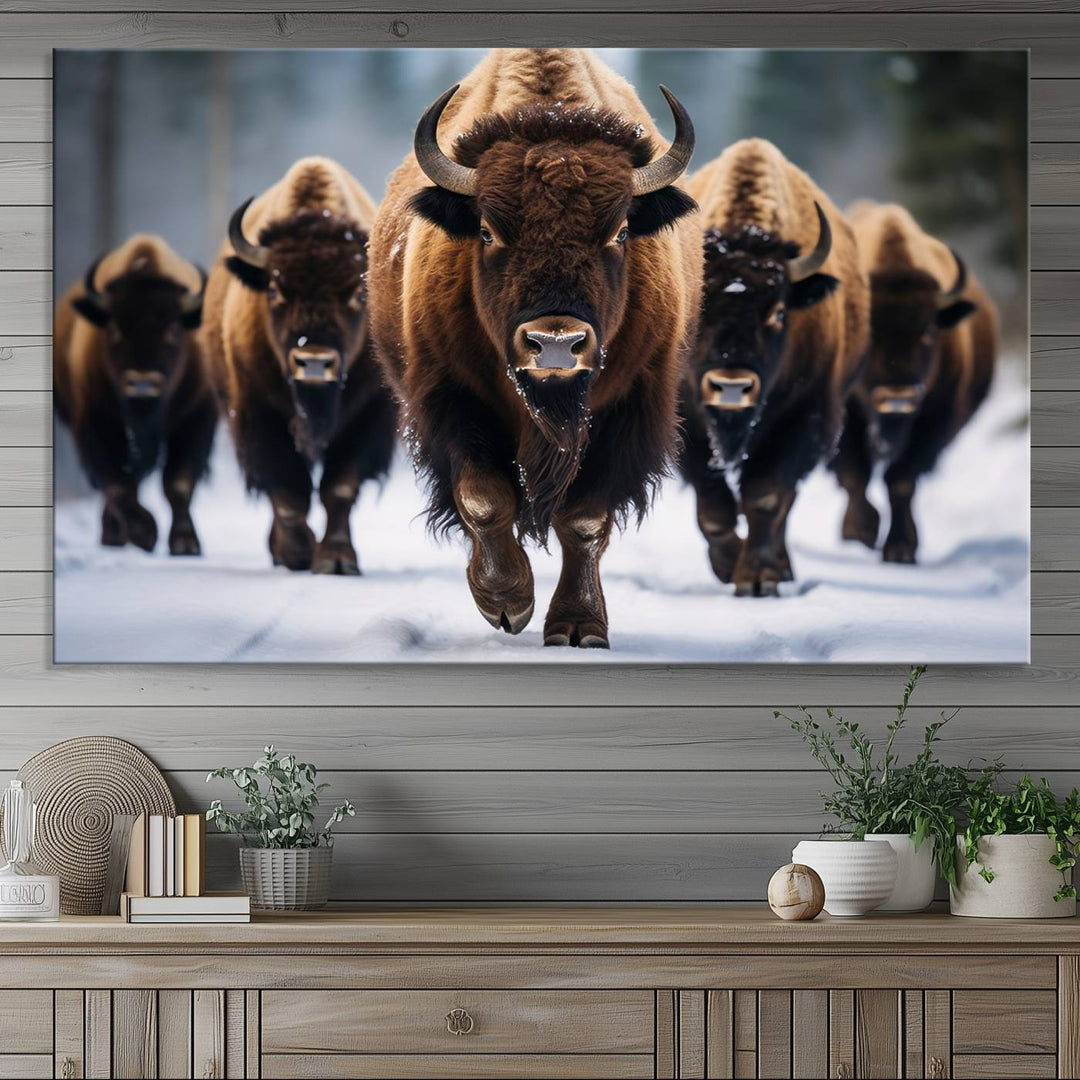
[{"x": 26, "y": 1021}]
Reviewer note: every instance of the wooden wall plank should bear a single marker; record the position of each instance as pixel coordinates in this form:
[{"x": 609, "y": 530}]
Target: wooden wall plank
[
  {"x": 1055, "y": 174},
  {"x": 27, "y": 678},
  {"x": 25, "y": 110},
  {"x": 1055, "y": 237},
  {"x": 594, "y": 737},
  {"x": 25, "y": 416},
  {"x": 25, "y": 296},
  {"x": 26, "y": 39},
  {"x": 25, "y": 174},
  {"x": 25, "y": 237},
  {"x": 25, "y": 362},
  {"x": 1055, "y": 476}
]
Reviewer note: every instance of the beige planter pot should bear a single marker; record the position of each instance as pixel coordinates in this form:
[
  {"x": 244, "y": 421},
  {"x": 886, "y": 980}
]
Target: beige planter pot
[
  {"x": 287, "y": 879},
  {"x": 1024, "y": 881}
]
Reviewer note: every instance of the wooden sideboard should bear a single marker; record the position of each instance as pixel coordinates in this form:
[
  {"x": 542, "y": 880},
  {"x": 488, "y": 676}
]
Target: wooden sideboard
[{"x": 552, "y": 992}]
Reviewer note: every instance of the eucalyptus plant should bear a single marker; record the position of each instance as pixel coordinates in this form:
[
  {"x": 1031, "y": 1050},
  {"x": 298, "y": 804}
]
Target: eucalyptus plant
[
  {"x": 1028, "y": 808},
  {"x": 280, "y": 799},
  {"x": 874, "y": 793}
]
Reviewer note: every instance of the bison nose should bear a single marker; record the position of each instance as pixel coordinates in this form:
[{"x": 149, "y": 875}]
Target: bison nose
[
  {"x": 555, "y": 345},
  {"x": 896, "y": 400},
  {"x": 143, "y": 384},
  {"x": 315, "y": 365},
  {"x": 730, "y": 389}
]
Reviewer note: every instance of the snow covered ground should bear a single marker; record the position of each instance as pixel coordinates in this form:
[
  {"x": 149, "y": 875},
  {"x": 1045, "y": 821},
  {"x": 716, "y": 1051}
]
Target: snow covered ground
[{"x": 966, "y": 601}]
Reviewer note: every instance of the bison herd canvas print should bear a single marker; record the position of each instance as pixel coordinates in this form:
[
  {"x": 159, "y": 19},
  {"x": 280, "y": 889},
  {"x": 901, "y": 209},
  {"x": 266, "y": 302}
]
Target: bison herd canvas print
[{"x": 541, "y": 354}]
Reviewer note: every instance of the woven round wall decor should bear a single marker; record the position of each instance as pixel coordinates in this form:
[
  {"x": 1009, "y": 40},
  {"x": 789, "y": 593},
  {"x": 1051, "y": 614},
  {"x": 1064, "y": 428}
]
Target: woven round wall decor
[{"x": 78, "y": 785}]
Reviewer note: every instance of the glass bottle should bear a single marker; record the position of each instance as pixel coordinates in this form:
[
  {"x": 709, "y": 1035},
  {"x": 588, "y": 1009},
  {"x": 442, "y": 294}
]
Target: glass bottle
[{"x": 25, "y": 891}]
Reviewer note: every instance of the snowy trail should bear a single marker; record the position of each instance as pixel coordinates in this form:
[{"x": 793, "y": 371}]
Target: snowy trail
[{"x": 968, "y": 600}]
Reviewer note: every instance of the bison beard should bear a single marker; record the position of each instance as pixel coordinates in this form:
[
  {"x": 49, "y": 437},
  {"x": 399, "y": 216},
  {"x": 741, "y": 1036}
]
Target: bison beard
[
  {"x": 312, "y": 424},
  {"x": 551, "y": 447}
]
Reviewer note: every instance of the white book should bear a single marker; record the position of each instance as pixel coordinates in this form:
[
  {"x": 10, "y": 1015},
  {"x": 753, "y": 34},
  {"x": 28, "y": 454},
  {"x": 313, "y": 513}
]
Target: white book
[
  {"x": 170, "y": 856},
  {"x": 155, "y": 855},
  {"x": 178, "y": 857},
  {"x": 189, "y": 918},
  {"x": 207, "y": 904}
]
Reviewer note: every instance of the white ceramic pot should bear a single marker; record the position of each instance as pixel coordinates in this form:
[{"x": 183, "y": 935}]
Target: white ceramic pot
[
  {"x": 858, "y": 875},
  {"x": 1024, "y": 881},
  {"x": 916, "y": 872}
]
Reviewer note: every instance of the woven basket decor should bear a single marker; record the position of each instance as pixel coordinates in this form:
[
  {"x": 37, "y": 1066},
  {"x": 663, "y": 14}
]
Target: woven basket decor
[{"x": 78, "y": 785}]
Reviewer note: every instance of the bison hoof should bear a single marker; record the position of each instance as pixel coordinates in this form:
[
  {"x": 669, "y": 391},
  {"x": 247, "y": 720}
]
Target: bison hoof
[
  {"x": 899, "y": 551},
  {"x": 578, "y": 634},
  {"x": 335, "y": 558},
  {"x": 509, "y": 617},
  {"x": 723, "y": 555},
  {"x": 184, "y": 543},
  {"x": 142, "y": 528},
  {"x": 861, "y": 523},
  {"x": 292, "y": 546},
  {"x": 113, "y": 529},
  {"x": 762, "y": 579}
]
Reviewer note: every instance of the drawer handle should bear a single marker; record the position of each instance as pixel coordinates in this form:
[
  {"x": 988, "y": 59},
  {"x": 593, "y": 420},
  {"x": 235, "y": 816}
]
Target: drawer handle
[
  {"x": 842, "y": 1071},
  {"x": 67, "y": 1069},
  {"x": 937, "y": 1069},
  {"x": 459, "y": 1022}
]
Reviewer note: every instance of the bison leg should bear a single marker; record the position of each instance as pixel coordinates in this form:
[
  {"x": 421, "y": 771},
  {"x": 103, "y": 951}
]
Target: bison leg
[
  {"x": 499, "y": 573},
  {"x": 783, "y": 559},
  {"x": 717, "y": 516},
  {"x": 903, "y": 538},
  {"x": 578, "y": 615},
  {"x": 292, "y": 543},
  {"x": 186, "y": 458},
  {"x": 759, "y": 571},
  {"x": 361, "y": 453},
  {"x": 853, "y": 466},
  {"x": 125, "y": 520}
]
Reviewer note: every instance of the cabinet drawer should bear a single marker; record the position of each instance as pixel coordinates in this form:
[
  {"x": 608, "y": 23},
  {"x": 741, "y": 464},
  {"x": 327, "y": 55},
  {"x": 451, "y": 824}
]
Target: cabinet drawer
[
  {"x": 1005, "y": 1066},
  {"x": 458, "y": 1021},
  {"x": 459, "y": 1066},
  {"x": 26, "y": 1022},
  {"x": 1004, "y": 1022}
]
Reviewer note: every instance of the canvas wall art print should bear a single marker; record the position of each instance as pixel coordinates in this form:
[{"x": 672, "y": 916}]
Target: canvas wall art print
[{"x": 541, "y": 355}]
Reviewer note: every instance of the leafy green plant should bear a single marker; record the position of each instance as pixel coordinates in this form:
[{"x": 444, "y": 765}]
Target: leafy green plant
[
  {"x": 280, "y": 797},
  {"x": 874, "y": 792},
  {"x": 1028, "y": 808}
]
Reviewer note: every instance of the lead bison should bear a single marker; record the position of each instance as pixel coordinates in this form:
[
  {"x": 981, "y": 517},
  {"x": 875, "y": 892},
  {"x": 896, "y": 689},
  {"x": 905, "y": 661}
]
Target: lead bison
[
  {"x": 286, "y": 336},
  {"x": 934, "y": 340},
  {"x": 531, "y": 291},
  {"x": 129, "y": 383},
  {"x": 784, "y": 329}
]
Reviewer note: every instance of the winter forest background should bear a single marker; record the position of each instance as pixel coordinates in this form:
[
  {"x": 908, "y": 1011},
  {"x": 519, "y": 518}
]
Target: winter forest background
[{"x": 171, "y": 142}]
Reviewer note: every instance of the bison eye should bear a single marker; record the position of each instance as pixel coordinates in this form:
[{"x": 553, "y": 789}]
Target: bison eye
[
  {"x": 621, "y": 235},
  {"x": 485, "y": 235},
  {"x": 273, "y": 294}
]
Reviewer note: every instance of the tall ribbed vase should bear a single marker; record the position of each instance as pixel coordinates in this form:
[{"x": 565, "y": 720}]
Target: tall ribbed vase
[
  {"x": 858, "y": 875},
  {"x": 287, "y": 879}
]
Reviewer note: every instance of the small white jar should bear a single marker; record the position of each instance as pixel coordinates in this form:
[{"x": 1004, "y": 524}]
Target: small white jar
[{"x": 858, "y": 875}]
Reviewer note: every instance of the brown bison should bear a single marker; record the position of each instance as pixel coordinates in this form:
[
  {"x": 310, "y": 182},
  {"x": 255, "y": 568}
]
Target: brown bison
[
  {"x": 129, "y": 383},
  {"x": 286, "y": 337},
  {"x": 785, "y": 325},
  {"x": 532, "y": 284},
  {"x": 934, "y": 338}
]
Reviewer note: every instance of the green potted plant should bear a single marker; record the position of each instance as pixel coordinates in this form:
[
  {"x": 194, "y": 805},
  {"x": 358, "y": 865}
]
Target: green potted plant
[
  {"x": 1016, "y": 852},
  {"x": 285, "y": 859},
  {"x": 911, "y": 807}
]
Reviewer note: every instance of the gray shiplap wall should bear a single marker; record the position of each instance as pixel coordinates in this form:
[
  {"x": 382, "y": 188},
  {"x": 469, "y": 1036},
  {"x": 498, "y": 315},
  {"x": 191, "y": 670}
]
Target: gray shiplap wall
[{"x": 641, "y": 784}]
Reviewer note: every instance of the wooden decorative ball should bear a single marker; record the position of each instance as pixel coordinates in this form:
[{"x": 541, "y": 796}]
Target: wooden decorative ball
[{"x": 796, "y": 893}]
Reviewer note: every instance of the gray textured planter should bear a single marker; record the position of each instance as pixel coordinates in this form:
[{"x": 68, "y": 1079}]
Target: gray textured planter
[
  {"x": 1024, "y": 881},
  {"x": 287, "y": 879}
]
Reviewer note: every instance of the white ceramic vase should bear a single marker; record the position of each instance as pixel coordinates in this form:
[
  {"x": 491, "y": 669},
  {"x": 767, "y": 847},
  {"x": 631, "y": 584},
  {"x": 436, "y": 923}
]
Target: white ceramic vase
[
  {"x": 858, "y": 875},
  {"x": 916, "y": 872},
  {"x": 1024, "y": 881}
]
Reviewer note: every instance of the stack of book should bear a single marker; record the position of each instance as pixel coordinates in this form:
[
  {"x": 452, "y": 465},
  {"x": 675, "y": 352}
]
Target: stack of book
[{"x": 166, "y": 874}]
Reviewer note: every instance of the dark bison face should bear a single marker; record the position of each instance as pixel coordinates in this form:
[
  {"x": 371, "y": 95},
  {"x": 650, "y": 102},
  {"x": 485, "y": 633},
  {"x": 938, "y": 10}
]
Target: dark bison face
[
  {"x": 552, "y": 202},
  {"x": 145, "y": 318},
  {"x": 753, "y": 280},
  {"x": 311, "y": 270},
  {"x": 908, "y": 310}
]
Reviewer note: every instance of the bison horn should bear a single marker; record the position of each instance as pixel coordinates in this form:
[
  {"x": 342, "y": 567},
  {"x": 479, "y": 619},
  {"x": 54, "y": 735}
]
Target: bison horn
[
  {"x": 667, "y": 169},
  {"x": 437, "y": 166},
  {"x": 253, "y": 254},
  {"x": 803, "y": 266},
  {"x": 946, "y": 298},
  {"x": 99, "y": 299},
  {"x": 192, "y": 300}
]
